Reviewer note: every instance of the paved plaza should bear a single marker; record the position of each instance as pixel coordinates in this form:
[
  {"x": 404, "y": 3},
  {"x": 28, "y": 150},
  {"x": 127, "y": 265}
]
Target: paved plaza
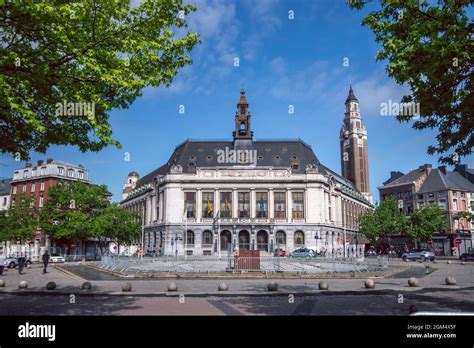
[{"x": 346, "y": 296}]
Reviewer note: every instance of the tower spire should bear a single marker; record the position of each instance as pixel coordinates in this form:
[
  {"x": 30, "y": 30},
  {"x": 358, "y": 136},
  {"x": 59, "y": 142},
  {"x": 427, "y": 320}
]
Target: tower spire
[{"x": 242, "y": 118}]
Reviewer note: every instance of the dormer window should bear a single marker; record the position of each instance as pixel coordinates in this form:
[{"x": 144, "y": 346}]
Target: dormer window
[
  {"x": 61, "y": 171},
  {"x": 80, "y": 175},
  {"x": 25, "y": 174},
  {"x": 70, "y": 173},
  {"x": 192, "y": 167}
]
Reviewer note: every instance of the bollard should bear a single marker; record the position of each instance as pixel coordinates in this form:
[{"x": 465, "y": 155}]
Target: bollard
[
  {"x": 223, "y": 287},
  {"x": 450, "y": 281},
  {"x": 413, "y": 282},
  {"x": 51, "y": 286},
  {"x": 272, "y": 286},
  {"x": 323, "y": 285},
  {"x": 127, "y": 287},
  {"x": 369, "y": 284},
  {"x": 23, "y": 284},
  {"x": 2, "y": 283},
  {"x": 172, "y": 287}
]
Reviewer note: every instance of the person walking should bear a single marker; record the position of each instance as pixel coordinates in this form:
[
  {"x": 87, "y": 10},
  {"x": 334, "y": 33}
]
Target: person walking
[
  {"x": 21, "y": 263},
  {"x": 2, "y": 262},
  {"x": 45, "y": 261}
]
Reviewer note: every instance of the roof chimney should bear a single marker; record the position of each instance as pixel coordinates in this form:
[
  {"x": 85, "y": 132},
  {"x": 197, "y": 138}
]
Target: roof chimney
[
  {"x": 461, "y": 169},
  {"x": 40, "y": 162},
  {"x": 442, "y": 169},
  {"x": 49, "y": 161},
  {"x": 28, "y": 165}
]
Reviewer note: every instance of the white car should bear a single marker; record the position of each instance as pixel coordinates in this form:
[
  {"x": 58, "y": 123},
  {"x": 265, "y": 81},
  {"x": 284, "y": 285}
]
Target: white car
[{"x": 55, "y": 258}]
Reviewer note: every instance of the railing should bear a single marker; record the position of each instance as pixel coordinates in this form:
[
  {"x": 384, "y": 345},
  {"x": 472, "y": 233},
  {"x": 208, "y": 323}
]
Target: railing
[{"x": 209, "y": 264}]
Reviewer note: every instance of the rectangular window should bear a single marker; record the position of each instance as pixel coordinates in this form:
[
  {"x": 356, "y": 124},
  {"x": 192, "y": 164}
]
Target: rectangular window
[
  {"x": 280, "y": 205},
  {"x": 81, "y": 175},
  {"x": 431, "y": 195},
  {"x": 33, "y": 187},
  {"x": 420, "y": 196},
  {"x": 25, "y": 174},
  {"x": 262, "y": 204},
  {"x": 61, "y": 171},
  {"x": 43, "y": 170},
  {"x": 463, "y": 195},
  {"x": 298, "y": 205},
  {"x": 42, "y": 186},
  {"x": 208, "y": 204},
  {"x": 4, "y": 201},
  {"x": 226, "y": 204},
  {"x": 41, "y": 201},
  {"x": 244, "y": 204},
  {"x": 14, "y": 189},
  {"x": 23, "y": 188},
  {"x": 455, "y": 204},
  {"x": 70, "y": 173},
  {"x": 442, "y": 204},
  {"x": 190, "y": 204}
]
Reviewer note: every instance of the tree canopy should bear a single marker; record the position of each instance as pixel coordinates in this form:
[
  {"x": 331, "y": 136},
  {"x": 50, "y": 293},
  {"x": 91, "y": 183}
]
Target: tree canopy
[
  {"x": 429, "y": 47},
  {"x": 64, "y": 65}
]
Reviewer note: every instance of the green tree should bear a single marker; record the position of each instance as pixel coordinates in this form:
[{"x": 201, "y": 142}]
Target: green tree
[
  {"x": 69, "y": 212},
  {"x": 424, "y": 222},
  {"x": 118, "y": 225},
  {"x": 103, "y": 53},
  {"x": 385, "y": 220},
  {"x": 20, "y": 221},
  {"x": 429, "y": 47}
]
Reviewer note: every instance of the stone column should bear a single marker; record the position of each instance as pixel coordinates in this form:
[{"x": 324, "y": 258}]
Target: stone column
[
  {"x": 235, "y": 203},
  {"x": 271, "y": 202},
  {"x": 253, "y": 209},
  {"x": 289, "y": 206},
  {"x": 198, "y": 205}
]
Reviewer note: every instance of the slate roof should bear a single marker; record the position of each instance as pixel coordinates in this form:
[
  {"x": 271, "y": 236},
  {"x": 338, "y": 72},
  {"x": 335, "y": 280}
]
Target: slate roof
[
  {"x": 351, "y": 95},
  {"x": 408, "y": 178},
  {"x": 438, "y": 181},
  {"x": 270, "y": 153},
  {"x": 5, "y": 187}
]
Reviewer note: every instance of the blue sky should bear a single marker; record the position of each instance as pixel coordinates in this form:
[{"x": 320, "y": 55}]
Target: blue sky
[{"x": 282, "y": 62}]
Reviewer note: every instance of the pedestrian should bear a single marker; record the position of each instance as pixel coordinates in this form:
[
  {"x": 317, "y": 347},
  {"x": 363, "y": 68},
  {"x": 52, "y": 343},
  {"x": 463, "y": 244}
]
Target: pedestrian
[
  {"x": 45, "y": 261},
  {"x": 2, "y": 262},
  {"x": 21, "y": 263}
]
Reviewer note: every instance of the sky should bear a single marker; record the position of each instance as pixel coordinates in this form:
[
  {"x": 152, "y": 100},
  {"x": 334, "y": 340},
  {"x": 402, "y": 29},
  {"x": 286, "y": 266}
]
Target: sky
[{"x": 282, "y": 62}]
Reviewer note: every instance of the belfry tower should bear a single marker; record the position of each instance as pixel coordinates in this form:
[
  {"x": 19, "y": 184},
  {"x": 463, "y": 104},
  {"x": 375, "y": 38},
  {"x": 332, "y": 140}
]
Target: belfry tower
[
  {"x": 242, "y": 119},
  {"x": 353, "y": 138}
]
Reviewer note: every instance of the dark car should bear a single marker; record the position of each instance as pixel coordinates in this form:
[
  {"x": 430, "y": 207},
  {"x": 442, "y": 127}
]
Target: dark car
[
  {"x": 467, "y": 256},
  {"x": 151, "y": 253}
]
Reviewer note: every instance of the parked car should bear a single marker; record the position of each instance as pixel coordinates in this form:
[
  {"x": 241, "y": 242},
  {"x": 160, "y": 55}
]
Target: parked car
[
  {"x": 279, "y": 252},
  {"x": 151, "y": 253},
  {"x": 467, "y": 256},
  {"x": 302, "y": 252},
  {"x": 12, "y": 261},
  {"x": 56, "y": 258},
  {"x": 421, "y": 255}
]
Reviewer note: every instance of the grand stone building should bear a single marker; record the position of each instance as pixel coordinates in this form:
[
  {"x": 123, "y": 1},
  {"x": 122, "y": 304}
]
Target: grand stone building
[{"x": 213, "y": 197}]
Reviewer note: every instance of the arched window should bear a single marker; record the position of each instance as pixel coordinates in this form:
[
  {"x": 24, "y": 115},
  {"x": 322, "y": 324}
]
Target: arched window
[
  {"x": 242, "y": 126},
  {"x": 190, "y": 238},
  {"x": 281, "y": 237},
  {"x": 299, "y": 238},
  {"x": 207, "y": 238}
]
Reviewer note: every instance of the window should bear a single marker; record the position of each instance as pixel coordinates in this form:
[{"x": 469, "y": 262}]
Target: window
[
  {"x": 455, "y": 204},
  {"x": 262, "y": 204},
  {"x": 281, "y": 237},
  {"x": 441, "y": 194},
  {"x": 61, "y": 170},
  {"x": 207, "y": 204},
  {"x": 43, "y": 170},
  {"x": 244, "y": 204},
  {"x": 23, "y": 188},
  {"x": 420, "y": 196},
  {"x": 190, "y": 204},
  {"x": 226, "y": 204},
  {"x": 280, "y": 205},
  {"x": 189, "y": 237},
  {"x": 207, "y": 238},
  {"x": 298, "y": 205},
  {"x": 80, "y": 175},
  {"x": 463, "y": 195},
  {"x": 442, "y": 204},
  {"x": 4, "y": 201},
  {"x": 299, "y": 238},
  {"x": 70, "y": 173},
  {"x": 42, "y": 186},
  {"x": 41, "y": 202},
  {"x": 14, "y": 189},
  {"x": 25, "y": 174},
  {"x": 421, "y": 205},
  {"x": 430, "y": 195},
  {"x": 33, "y": 187}
]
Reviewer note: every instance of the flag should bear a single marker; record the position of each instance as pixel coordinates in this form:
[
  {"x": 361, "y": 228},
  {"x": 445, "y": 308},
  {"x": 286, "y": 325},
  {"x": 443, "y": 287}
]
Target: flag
[
  {"x": 209, "y": 207},
  {"x": 262, "y": 205},
  {"x": 227, "y": 207}
]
